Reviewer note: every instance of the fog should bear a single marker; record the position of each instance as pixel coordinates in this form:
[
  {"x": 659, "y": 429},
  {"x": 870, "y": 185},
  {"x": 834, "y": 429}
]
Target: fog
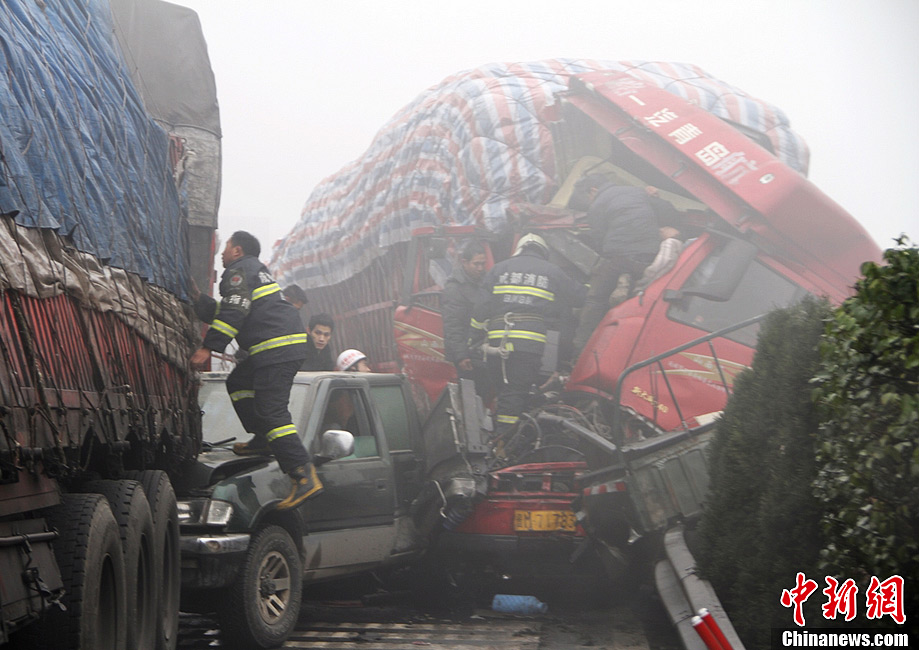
[{"x": 303, "y": 87}]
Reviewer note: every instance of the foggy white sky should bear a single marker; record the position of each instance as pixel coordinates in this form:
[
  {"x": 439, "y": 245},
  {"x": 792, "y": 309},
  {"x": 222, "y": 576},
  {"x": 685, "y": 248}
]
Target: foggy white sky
[{"x": 303, "y": 86}]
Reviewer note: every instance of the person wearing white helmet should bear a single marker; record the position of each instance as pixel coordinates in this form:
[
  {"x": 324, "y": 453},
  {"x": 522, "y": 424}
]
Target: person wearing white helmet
[
  {"x": 352, "y": 360},
  {"x": 521, "y": 294}
]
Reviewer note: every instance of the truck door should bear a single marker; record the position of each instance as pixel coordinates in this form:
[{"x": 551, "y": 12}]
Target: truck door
[
  {"x": 400, "y": 426},
  {"x": 417, "y": 322},
  {"x": 352, "y": 521},
  {"x": 719, "y": 282}
]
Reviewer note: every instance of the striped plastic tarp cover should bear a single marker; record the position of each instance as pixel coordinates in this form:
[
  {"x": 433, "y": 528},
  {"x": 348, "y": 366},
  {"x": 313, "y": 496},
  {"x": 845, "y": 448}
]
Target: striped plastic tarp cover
[{"x": 468, "y": 147}]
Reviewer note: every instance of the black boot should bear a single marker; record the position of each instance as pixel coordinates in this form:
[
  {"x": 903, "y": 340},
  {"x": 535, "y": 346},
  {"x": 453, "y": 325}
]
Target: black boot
[{"x": 306, "y": 485}]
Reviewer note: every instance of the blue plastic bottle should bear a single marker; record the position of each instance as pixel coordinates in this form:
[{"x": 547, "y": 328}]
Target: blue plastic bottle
[{"x": 512, "y": 604}]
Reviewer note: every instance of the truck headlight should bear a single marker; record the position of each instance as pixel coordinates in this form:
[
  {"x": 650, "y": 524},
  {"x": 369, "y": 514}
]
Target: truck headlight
[{"x": 204, "y": 512}]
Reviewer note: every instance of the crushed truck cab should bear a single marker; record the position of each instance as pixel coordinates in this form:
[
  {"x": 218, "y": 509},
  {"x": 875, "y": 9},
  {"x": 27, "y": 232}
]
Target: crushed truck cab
[
  {"x": 637, "y": 405},
  {"x": 641, "y": 399}
]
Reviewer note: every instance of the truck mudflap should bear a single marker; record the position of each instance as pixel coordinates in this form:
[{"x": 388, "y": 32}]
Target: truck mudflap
[{"x": 685, "y": 594}]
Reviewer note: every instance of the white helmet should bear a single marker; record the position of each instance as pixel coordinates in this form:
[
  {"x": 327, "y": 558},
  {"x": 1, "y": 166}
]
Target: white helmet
[
  {"x": 348, "y": 358},
  {"x": 532, "y": 239}
]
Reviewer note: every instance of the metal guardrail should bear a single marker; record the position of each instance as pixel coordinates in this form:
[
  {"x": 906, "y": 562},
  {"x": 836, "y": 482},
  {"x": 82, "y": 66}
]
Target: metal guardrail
[{"x": 684, "y": 594}]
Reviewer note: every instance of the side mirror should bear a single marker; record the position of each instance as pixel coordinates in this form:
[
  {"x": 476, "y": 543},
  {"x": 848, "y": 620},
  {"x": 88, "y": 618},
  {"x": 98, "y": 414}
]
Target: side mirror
[
  {"x": 335, "y": 444},
  {"x": 724, "y": 277},
  {"x": 672, "y": 295}
]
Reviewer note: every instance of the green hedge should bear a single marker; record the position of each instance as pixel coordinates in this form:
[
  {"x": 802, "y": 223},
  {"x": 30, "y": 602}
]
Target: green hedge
[
  {"x": 868, "y": 400},
  {"x": 761, "y": 524},
  {"x": 815, "y": 463}
]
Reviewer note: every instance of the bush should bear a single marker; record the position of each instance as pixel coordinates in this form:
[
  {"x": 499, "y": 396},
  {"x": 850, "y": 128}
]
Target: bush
[
  {"x": 760, "y": 526},
  {"x": 815, "y": 463},
  {"x": 868, "y": 452}
]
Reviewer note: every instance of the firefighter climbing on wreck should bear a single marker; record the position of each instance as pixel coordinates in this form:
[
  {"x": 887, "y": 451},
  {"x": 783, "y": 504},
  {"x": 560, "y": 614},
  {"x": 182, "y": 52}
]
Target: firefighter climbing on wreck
[
  {"x": 522, "y": 296},
  {"x": 252, "y": 311}
]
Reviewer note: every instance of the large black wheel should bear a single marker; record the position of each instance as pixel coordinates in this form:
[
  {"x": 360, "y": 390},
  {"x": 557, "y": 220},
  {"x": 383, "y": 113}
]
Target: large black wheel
[
  {"x": 166, "y": 560},
  {"x": 135, "y": 522},
  {"x": 265, "y": 601},
  {"x": 89, "y": 555}
]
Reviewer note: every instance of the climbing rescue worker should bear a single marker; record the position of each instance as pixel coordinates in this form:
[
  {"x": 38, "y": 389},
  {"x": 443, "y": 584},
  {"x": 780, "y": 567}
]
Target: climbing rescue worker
[
  {"x": 521, "y": 295},
  {"x": 253, "y": 311}
]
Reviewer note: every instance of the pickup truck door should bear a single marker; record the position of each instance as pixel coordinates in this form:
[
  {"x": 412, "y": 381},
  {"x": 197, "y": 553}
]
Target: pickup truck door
[
  {"x": 352, "y": 522},
  {"x": 399, "y": 420}
]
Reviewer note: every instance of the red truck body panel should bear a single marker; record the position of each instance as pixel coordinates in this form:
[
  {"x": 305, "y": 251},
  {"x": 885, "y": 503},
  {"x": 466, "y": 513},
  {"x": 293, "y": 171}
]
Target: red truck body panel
[{"x": 419, "y": 337}]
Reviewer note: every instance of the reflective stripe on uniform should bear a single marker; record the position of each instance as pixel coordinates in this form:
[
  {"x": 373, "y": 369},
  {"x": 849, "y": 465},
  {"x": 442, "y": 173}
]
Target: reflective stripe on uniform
[
  {"x": 242, "y": 394},
  {"x": 278, "y": 342},
  {"x": 507, "y": 419},
  {"x": 475, "y": 324},
  {"x": 265, "y": 290},
  {"x": 280, "y": 432},
  {"x": 520, "y": 290},
  {"x": 518, "y": 334},
  {"x": 224, "y": 328}
]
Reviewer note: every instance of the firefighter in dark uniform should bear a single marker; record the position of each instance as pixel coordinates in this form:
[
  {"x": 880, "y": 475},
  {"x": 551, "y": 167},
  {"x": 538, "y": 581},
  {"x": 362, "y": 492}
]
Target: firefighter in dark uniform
[
  {"x": 253, "y": 311},
  {"x": 522, "y": 294}
]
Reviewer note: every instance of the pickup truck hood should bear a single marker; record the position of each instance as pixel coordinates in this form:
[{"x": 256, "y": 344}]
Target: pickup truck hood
[{"x": 217, "y": 465}]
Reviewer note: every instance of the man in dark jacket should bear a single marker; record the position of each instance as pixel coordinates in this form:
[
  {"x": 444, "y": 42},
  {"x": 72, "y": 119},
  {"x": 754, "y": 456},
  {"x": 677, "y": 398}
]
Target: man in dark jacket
[
  {"x": 522, "y": 295},
  {"x": 462, "y": 291},
  {"x": 319, "y": 351},
  {"x": 253, "y": 311},
  {"x": 624, "y": 231}
]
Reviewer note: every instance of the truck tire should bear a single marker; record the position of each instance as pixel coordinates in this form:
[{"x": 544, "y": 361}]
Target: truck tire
[
  {"x": 264, "y": 604},
  {"x": 166, "y": 561},
  {"x": 135, "y": 522},
  {"x": 89, "y": 555}
]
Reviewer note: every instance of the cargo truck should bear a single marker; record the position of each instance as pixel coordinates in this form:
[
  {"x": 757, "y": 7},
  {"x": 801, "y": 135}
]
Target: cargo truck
[
  {"x": 109, "y": 184},
  {"x": 495, "y": 152}
]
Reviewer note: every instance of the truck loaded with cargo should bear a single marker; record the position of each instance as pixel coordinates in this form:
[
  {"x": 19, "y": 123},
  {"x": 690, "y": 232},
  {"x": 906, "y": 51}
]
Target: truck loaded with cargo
[
  {"x": 109, "y": 183},
  {"x": 497, "y": 152}
]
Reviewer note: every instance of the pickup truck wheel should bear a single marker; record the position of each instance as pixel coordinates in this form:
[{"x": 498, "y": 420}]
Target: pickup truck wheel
[
  {"x": 166, "y": 561},
  {"x": 135, "y": 522},
  {"x": 89, "y": 555},
  {"x": 264, "y": 603}
]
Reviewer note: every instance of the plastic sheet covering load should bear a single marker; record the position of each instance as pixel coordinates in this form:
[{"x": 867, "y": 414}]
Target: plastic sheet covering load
[
  {"x": 467, "y": 148},
  {"x": 80, "y": 155},
  {"x": 89, "y": 205},
  {"x": 177, "y": 85}
]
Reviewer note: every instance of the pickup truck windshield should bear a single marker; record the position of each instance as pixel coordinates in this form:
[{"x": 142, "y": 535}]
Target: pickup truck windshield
[{"x": 219, "y": 420}]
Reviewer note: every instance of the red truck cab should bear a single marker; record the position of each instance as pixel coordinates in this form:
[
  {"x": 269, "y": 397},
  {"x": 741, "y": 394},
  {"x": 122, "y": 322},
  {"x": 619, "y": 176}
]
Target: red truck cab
[
  {"x": 762, "y": 237},
  {"x": 661, "y": 365}
]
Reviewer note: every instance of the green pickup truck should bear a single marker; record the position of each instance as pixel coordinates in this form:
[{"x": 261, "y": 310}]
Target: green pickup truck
[{"x": 250, "y": 560}]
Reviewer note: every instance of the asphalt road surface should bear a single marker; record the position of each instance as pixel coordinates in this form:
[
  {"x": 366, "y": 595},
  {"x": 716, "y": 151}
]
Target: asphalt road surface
[{"x": 365, "y": 616}]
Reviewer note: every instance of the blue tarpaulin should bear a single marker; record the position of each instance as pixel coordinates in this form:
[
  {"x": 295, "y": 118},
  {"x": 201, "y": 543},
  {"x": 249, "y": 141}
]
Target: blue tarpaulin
[{"x": 78, "y": 152}]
